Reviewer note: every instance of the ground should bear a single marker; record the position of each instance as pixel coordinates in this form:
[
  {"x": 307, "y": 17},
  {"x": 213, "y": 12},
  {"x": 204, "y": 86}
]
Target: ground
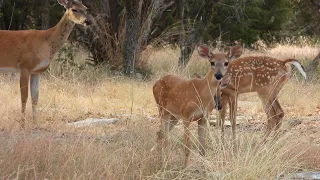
[{"x": 127, "y": 149}]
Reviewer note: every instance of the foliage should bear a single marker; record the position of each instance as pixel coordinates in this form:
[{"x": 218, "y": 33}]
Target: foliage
[
  {"x": 243, "y": 20},
  {"x": 250, "y": 20},
  {"x": 304, "y": 21}
]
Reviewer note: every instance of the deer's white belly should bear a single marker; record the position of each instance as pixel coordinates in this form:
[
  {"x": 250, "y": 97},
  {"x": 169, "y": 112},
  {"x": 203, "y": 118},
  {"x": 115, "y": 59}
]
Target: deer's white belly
[
  {"x": 41, "y": 66},
  {"x": 9, "y": 70}
]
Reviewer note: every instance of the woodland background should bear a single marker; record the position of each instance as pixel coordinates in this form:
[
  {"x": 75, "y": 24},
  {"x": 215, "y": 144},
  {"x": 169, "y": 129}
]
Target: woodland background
[
  {"x": 182, "y": 23},
  {"x": 161, "y": 38}
]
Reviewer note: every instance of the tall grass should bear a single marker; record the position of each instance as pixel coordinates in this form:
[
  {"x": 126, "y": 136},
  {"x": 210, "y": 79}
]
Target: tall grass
[{"x": 125, "y": 150}]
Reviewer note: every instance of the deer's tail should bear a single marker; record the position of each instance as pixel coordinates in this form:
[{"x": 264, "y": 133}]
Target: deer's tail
[{"x": 298, "y": 65}]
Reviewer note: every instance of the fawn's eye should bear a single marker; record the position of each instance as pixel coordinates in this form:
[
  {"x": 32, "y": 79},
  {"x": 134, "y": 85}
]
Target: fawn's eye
[
  {"x": 74, "y": 10},
  {"x": 226, "y": 63},
  {"x": 212, "y": 63}
]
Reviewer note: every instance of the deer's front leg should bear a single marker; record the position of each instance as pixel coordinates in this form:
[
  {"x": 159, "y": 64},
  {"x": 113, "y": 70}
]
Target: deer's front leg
[
  {"x": 187, "y": 135},
  {"x": 222, "y": 114},
  {"x": 24, "y": 82},
  {"x": 233, "y": 105},
  {"x": 217, "y": 99},
  {"x": 34, "y": 88},
  {"x": 202, "y": 135}
]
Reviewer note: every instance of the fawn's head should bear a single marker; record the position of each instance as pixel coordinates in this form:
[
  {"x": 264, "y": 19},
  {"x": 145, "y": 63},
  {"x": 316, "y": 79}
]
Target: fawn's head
[
  {"x": 77, "y": 12},
  {"x": 220, "y": 61}
]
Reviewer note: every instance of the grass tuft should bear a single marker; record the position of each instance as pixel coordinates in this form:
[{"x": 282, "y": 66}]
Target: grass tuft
[{"x": 125, "y": 150}]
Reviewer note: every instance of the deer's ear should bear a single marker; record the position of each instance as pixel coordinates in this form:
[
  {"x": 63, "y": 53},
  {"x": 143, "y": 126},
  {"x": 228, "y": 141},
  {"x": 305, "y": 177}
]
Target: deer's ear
[
  {"x": 64, "y": 3},
  {"x": 235, "y": 52},
  {"x": 204, "y": 51}
]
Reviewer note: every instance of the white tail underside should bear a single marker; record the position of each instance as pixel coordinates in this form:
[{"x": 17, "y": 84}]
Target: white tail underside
[{"x": 299, "y": 67}]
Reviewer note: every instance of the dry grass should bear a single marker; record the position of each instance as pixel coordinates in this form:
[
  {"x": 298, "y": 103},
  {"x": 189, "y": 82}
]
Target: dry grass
[{"x": 124, "y": 150}]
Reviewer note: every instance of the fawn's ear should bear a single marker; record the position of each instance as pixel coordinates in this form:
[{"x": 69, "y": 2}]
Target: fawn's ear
[
  {"x": 204, "y": 51},
  {"x": 64, "y": 3},
  {"x": 235, "y": 52}
]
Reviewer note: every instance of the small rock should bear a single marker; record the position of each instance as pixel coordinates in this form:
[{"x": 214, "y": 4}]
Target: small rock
[
  {"x": 151, "y": 118},
  {"x": 94, "y": 122},
  {"x": 139, "y": 76},
  {"x": 294, "y": 122},
  {"x": 315, "y": 119},
  {"x": 226, "y": 123},
  {"x": 303, "y": 175}
]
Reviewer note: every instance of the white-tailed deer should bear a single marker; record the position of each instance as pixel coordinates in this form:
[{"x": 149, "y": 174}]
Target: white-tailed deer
[
  {"x": 30, "y": 52},
  {"x": 264, "y": 75},
  {"x": 191, "y": 100}
]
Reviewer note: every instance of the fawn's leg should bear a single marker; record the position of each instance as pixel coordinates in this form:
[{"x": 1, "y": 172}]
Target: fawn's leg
[
  {"x": 233, "y": 104},
  {"x": 279, "y": 112},
  {"x": 162, "y": 133},
  {"x": 187, "y": 134},
  {"x": 222, "y": 115},
  {"x": 269, "y": 109},
  {"x": 202, "y": 135}
]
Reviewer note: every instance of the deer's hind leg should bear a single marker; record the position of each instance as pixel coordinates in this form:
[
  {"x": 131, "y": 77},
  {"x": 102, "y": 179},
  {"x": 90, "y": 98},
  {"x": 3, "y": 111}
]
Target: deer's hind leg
[
  {"x": 272, "y": 109},
  {"x": 24, "y": 86},
  {"x": 278, "y": 111},
  {"x": 34, "y": 88},
  {"x": 167, "y": 122},
  {"x": 187, "y": 139}
]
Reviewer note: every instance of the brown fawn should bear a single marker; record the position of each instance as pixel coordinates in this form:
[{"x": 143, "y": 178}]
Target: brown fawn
[
  {"x": 191, "y": 100},
  {"x": 29, "y": 52}
]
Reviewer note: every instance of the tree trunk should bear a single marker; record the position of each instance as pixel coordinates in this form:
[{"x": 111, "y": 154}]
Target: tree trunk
[
  {"x": 153, "y": 13},
  {"x": 1, "y": 19},
  {"x": 312, "y": 67},
  {"x": 1, "y": 2},
  {"x": 131, "y": 36},
  {"x": 182, "y": 61},
  {"x": 45, "y": 14},
  {"x": 193, "y": 38},
  {"x": 114, "y": 8},
  {"x": 157, "y": 10}
]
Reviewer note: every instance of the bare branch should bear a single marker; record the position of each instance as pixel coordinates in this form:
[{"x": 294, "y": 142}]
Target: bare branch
[{"x": 158, "y": 7}]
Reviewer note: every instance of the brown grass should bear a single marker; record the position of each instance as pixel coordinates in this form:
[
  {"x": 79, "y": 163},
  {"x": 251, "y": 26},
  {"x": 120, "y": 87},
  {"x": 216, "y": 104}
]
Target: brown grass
[{"x": 125, "y": 150}]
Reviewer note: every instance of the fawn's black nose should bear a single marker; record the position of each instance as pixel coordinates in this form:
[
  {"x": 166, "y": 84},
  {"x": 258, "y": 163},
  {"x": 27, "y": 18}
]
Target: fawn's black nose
[{"x": 218, "y": 76}]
